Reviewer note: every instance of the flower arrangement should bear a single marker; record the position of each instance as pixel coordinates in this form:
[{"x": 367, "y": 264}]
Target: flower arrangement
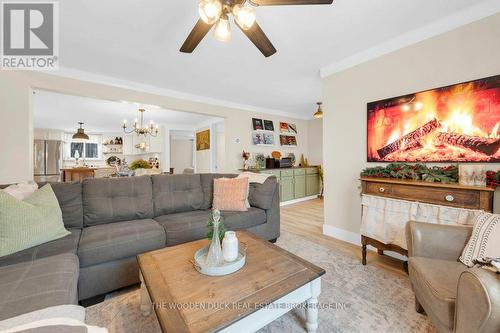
[
  {"x": 436, "y": 174},
  {"x": 139, "y": 164}
]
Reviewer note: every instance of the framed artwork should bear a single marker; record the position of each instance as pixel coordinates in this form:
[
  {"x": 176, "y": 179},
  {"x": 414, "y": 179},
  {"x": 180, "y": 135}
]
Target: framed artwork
[
  {"x": 292, "y": 128},
  {"x": 269, "y": 139},
  {"x": 203, "y": 140},
  {"x": 257, "y": 138},
  {"x": 457, "y": 123},
  {"x": 268, "y": 125},
  {"x": 257, "y": 124},
  {"x": 284, "y": 127},
  {"x": 288, "y": 140}
]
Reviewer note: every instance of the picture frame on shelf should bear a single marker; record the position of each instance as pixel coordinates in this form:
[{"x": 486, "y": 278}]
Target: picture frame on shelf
[
  {"x": 269, "y": 125},
  {"x": 257, "y": 124}
]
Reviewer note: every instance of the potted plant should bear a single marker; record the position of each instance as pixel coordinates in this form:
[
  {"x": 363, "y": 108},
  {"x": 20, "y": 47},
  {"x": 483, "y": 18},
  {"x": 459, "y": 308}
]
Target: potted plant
[{"x": 260, "y": 161}]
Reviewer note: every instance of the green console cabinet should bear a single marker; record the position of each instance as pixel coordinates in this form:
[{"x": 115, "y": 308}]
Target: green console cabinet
[
  {"x": 296, "y": 183},
  {"x": 286, "y": 189}
]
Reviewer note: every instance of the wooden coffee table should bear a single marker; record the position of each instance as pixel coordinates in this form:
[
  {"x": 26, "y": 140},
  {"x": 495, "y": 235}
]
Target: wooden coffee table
[{"x": 271, "y": 283}]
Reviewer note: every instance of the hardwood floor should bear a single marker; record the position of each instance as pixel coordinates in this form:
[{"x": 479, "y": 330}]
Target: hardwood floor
[{"x": 306, "y": 219}]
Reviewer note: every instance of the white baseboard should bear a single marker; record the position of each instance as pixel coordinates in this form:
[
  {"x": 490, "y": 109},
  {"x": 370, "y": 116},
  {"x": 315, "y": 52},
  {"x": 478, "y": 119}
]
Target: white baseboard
[
  {"x": 355, "y": 239},
  {"x": 291, "y": 202}
]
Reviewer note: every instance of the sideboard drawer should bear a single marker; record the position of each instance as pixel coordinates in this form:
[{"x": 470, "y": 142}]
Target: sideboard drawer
[
  {"x": 384, "y": 190},
  {"x": 286, "y": 172},
  {"x": 299, "y": 172},
  {"x": 438, "y": 196}
]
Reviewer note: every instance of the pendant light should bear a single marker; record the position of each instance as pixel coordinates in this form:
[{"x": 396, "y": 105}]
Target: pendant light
[
  {"x": 80, "y": 134},
  {"x": 319, "y": 113}
]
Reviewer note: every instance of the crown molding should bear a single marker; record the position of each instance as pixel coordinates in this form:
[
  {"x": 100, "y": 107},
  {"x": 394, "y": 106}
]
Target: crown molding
[
  {"x": 435, "y": 28},
  {"x": 67, "y": 72}
]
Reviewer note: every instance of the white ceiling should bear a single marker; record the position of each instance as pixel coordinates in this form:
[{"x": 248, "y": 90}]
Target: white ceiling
[
  {"x": 139, "y": 41},
  {"x": 58, "y": 111}
]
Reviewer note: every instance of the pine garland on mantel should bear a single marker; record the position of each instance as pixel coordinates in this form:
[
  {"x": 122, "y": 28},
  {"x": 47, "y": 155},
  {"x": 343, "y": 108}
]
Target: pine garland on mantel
[{"x": 435, "y": 174}]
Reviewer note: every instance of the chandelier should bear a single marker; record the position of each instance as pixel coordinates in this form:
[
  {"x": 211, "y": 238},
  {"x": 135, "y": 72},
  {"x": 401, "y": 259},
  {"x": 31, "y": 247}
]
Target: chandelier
[{"x": 139, "y": 128}]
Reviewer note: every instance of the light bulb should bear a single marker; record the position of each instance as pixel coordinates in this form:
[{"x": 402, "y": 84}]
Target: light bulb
[
  {"x": 209, "y": 10},
  {"x": 244, "y": 15},
  {"x": 222, "y": 30}
]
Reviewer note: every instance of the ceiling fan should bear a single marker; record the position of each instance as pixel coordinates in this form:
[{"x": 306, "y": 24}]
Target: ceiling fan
[{"x": 216, "y": 13}]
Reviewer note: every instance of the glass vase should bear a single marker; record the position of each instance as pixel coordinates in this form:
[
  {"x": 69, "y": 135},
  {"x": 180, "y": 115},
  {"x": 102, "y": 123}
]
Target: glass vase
[{"x": 215, "y": 256}]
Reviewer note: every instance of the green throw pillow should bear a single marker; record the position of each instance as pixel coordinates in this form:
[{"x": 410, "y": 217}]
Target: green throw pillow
[{"x": 31, "y": 222}]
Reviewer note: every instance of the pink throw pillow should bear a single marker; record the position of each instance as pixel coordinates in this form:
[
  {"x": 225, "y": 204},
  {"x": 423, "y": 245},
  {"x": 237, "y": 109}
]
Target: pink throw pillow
[{"x": 230, "y": 194}]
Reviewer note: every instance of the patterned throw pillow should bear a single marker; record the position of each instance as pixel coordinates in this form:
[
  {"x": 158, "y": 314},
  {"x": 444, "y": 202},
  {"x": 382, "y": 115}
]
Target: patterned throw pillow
[
  {"x": 485, "y": 240},
  {"x": 29, "y": 222},
  {"x": 230, "y": 194}
]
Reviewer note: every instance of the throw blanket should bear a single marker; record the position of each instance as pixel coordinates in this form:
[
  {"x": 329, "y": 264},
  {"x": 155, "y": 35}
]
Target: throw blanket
[
  {"x": 253, "y": 177},
  {"x": 492, "y": 264}
]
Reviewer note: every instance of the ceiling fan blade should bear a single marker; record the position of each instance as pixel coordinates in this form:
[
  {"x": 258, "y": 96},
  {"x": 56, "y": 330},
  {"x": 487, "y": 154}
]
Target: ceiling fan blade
[
  {"x": 197, "y": 34},
  {"x": 290, "y": 2},
  {"x": 259, "y": 38}
]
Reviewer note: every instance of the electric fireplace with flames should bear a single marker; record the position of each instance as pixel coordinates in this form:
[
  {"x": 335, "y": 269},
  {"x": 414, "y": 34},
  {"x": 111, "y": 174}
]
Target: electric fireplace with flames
[{"x": 457, "y": 123}]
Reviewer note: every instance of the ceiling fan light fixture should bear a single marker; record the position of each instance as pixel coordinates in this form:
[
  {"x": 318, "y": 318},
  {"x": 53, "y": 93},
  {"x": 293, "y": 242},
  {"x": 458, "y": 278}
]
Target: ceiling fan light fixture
[
  {"x": 244, "y": 16},
  {"x": 210, "y": 10},
  {"x": 319, "y": 113},
  {"x": 222, "y": 30}
]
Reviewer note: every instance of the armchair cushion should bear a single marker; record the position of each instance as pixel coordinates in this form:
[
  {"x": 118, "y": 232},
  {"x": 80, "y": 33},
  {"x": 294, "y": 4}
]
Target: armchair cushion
[
  {"x": 485, "y": 240},
  {"x": 435, "y": 284},
  {"x": 426, "y": 240}
]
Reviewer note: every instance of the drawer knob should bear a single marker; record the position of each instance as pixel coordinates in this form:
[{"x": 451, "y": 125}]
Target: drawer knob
[
  {"x": 381, "y": 190},
  {"x": 450, "y": 198}
]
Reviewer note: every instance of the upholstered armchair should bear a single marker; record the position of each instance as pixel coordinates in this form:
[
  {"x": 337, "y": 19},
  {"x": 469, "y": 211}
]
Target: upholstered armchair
[{"x": 455, "y": 298}]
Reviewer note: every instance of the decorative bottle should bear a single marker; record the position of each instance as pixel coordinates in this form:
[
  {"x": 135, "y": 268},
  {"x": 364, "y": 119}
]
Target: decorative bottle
[
  {"x": 214, "y": 256},
  {"x": 230, "y": 246}
]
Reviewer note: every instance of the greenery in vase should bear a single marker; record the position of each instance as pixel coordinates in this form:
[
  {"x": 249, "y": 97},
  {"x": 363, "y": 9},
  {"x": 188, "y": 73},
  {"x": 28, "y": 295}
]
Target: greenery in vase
[
  {"x": 435, "y": 174},
  {"x": 139, "y": 164},
  {"x": 261, "y": 160},
  {"x": 210, "y": 226},
  {"x": 493, "y": 178}
]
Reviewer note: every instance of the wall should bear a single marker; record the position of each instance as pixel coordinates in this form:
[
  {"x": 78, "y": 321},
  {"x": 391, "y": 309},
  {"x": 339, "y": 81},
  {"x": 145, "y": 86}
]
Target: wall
[
  {"x": 315, "y": 141},
  {"x": 15, "y": 110},
  {"x": 470, "y": 52}
]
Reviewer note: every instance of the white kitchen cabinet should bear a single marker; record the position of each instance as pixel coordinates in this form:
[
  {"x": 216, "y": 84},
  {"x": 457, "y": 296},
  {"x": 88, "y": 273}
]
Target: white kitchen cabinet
[
  {"x": 128, "y": 144},
  {"x": 156, "y": 143}
]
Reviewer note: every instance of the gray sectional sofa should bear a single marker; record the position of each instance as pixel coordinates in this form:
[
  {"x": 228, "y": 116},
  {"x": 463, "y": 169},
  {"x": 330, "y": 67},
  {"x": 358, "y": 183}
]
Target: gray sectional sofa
[{"x": 111, "y": 221}]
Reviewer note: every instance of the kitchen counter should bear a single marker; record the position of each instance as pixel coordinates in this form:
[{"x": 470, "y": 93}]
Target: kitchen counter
[{"x": 77, "y": 174}]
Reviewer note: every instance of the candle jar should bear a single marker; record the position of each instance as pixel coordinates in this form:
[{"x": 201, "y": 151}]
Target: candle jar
[{"x": 230, "y": 246}]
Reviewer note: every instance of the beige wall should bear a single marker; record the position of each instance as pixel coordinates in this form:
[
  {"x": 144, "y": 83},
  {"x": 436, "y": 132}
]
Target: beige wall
[
  {"x": 16, "y": 116},
  {"x": 315, "y": 141},
  {"x": 470, "y": 52}
]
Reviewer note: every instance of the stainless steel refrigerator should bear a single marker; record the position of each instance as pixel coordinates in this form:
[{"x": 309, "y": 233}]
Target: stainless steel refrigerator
[{"x": 47, "y": 158}]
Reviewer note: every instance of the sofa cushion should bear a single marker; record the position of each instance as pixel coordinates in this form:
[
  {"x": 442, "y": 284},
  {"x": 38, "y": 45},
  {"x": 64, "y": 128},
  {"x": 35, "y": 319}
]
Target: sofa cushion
[
  {"x": 189, "y": 226},
  {"x": 38, "y": 284},
  {"x": 108, "y": 200},
  {"x": 207, "y": 184},
  {"x": 261, "y": 195},
  {"x": 176, "y": 193},
  {"x": 68, "y": 244},
  {"x": 114, "y": 241},
  {"x": 435, "y": 283},
  {"x": 69, "y": 196}
]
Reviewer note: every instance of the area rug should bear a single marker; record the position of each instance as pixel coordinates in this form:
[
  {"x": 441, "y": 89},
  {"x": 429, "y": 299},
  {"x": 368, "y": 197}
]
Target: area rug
[{"x": 356, "y": 298}]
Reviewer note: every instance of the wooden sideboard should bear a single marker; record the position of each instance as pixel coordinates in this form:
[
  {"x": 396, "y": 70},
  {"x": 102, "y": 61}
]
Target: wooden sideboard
[{"x": 452, "y": 195}]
